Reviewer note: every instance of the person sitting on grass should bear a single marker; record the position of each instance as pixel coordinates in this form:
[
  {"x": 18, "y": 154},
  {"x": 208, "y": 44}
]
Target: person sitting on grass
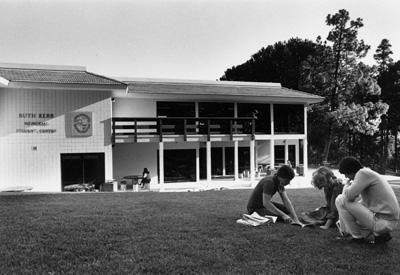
[
  {"x": 378, "y": 211},
  {"x": 260, "y": 199},
  {"x": 325, "y": 216}
]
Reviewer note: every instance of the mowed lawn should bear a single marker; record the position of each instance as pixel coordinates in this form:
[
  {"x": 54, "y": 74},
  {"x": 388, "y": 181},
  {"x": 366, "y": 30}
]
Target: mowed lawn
[{"x": 190, "y": 232}]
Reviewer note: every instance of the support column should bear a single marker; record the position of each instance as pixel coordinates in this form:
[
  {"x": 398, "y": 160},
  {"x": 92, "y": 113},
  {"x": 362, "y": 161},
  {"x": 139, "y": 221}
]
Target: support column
[
  {"x": 197, "y": 165},
  {"x": 223, "y": 162},
  {"x": 252, "y": 158},
  {"x": 161, "y": 165},
  {"x": 297, "y": 160},
  {"x": 305, "y": 143},
  {"x": 236, "y": 159},
  {"x": 272, "y": 153},
  {"x": 272, "y": 141},
  {"x": 208, "y": 161},
  {"x": 286, "y": 151}
]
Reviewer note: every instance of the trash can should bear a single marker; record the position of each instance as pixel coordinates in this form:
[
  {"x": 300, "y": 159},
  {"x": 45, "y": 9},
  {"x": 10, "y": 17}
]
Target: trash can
[{"x": 107, "y": 187}]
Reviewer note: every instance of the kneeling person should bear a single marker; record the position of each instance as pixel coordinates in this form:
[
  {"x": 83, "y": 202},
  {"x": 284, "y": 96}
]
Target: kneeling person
[{"x": 260, "y": 199}]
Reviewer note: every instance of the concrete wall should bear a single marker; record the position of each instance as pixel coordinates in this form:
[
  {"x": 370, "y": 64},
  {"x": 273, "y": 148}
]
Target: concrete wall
[
  {"x": 30, "y": 154},
  {"x": 129, "y": 107}
]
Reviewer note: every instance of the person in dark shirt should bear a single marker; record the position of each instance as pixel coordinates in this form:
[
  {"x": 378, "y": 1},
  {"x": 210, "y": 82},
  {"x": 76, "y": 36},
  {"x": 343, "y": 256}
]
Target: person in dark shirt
[
  {"x": 260, "y": 199},
  {"x": 145, "y": 178}
]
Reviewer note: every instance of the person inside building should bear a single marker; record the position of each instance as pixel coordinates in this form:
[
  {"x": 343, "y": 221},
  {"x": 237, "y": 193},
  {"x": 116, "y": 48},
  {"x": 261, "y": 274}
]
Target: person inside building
[
  {"x": 261, "y": 198},
  {"x": 325, "y": 216},
  {"x": 145, "y": 178},
  {"x": 378, "y": 211}
]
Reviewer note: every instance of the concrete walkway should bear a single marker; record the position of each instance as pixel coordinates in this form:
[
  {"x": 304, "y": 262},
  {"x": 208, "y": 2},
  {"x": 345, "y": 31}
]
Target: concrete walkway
[{"x": 297, "y": 182}]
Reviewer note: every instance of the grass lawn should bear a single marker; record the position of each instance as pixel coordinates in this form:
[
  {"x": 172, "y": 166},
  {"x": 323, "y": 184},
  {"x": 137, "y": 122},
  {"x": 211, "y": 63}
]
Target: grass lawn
[{"x": 193, "y": 232}]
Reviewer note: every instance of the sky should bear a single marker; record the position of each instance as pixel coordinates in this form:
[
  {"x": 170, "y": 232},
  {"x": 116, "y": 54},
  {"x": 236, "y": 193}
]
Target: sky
[{"x": 176, "y": 39}]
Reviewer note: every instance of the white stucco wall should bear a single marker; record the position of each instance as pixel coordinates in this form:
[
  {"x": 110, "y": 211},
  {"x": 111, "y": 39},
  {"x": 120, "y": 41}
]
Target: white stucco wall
[
  {"x": 131, "y": 158},
  {"x": 33, "y": 159},
  {"x": 132, "y": 107}
]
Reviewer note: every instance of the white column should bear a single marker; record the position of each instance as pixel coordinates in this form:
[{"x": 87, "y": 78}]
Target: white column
[
  {"x": 197, "y": 165},
  {"x": 272, "y": 153},
  {"x": 305, "y": 142},
  {"x": 208, "y": 161},
  {"x": 223, "y": 161},
  {"x": 272, "y": 141},
  {"x": 271, "y": 113},
  {"x": 161, "y": 164},
  {"x": 297, "y": 153},
  {"x": 236, "y": 159},
  {"x": 252, "y": 166},
  {"x": 286, "y": 151}
]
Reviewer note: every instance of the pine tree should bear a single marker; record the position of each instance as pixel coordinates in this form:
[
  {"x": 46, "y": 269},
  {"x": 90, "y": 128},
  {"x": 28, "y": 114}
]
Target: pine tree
[{"x": 351, "y": 93}]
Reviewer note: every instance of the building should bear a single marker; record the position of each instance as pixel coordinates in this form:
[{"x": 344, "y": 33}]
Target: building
[{"x": 63, "y": 125}]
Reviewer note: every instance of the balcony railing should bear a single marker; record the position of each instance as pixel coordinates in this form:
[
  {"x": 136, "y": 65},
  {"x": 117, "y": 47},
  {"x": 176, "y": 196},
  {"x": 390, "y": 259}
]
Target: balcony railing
[{"x": 129, "y": 127}]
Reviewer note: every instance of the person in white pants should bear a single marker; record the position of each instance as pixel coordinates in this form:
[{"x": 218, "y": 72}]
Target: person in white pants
[{"x": 378, "y": 210}]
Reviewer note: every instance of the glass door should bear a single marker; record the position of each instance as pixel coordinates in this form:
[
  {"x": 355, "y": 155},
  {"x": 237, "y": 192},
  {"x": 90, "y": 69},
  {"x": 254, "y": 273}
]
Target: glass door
[{"x": 82, "y": 168}]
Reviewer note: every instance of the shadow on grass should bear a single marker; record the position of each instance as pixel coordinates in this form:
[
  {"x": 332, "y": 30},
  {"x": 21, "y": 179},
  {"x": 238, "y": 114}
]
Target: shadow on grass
[{"x": 194, "y": 232}]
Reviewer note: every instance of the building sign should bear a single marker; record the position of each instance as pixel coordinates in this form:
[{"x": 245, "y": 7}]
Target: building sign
[
  {"x": 35, "y": 123},
  {"x": 79, "y": 124}
]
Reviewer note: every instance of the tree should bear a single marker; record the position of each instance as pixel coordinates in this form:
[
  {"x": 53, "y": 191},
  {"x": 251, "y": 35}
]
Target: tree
[
  {"x": 351, "y": 93},
  {"x": 383, "y": 58},
  {"x": 389, "y": 81},
  {"x": 280, "y": 63},
  {"x": 382, "y": 55}
]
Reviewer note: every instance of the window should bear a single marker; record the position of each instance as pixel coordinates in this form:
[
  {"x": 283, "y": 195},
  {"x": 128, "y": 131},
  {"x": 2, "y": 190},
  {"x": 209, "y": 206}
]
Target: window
[
  {"x": 288, "y": 118},
  {"x": 175, "y": 109},
  {"x": 263, "y": 122}
]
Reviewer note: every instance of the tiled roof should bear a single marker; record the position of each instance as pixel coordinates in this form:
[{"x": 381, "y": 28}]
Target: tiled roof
[
  {"x": 218, "y": 89},
  {"x": 59, "y": 76}
]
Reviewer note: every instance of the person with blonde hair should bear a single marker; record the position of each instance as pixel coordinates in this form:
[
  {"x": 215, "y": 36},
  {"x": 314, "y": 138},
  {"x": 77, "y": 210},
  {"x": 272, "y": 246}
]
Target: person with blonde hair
[{"x": 326, "y": 216}]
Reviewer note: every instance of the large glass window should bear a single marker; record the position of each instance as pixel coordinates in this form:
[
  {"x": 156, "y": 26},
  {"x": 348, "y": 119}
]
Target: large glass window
[
  {"x": 179, "y": 165},
  {"x": 261, "y": 112},
  {"x": 288, "y": 118},
  {"x": 175, "y": 109},
  {"x": 244, "y": 159},
  {"x": 216, "y": 109},
  {"x": 279, "y": 155},
  {"x": 217, "y": 162}
]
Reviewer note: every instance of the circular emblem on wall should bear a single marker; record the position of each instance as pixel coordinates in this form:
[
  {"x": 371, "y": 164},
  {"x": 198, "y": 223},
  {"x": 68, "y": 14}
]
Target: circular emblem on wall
[{"x": 82, "y": 123}]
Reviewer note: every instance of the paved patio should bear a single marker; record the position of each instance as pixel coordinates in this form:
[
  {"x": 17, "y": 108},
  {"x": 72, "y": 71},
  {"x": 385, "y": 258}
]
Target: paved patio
[{"x": 297, "y": 182}]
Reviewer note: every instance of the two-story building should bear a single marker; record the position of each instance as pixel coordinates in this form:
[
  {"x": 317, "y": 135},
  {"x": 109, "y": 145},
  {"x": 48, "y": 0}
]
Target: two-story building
[{"x": 62, "y": 125}]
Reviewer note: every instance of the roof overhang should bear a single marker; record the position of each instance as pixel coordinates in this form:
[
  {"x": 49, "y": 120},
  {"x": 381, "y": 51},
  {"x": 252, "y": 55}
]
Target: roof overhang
[
  {"x": 218, "y": 91},
  {"x": 62, "y": 86},
  {"x": 37, "y": 76}
]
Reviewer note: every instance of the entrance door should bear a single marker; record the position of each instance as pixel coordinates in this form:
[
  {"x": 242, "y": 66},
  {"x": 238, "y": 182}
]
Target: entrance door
[{"x": 82, "y": 168}]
